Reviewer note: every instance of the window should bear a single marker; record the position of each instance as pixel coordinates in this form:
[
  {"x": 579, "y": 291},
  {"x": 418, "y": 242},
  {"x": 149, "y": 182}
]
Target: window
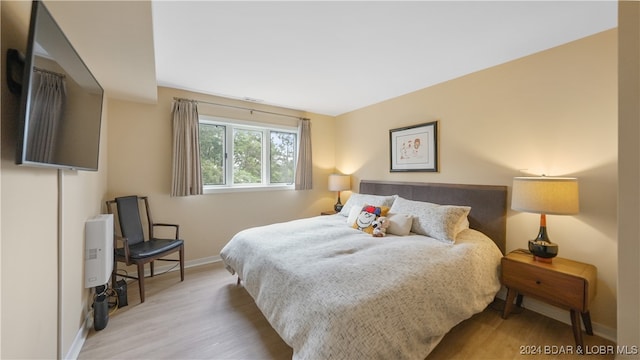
[{"x": 243, "y": 155}]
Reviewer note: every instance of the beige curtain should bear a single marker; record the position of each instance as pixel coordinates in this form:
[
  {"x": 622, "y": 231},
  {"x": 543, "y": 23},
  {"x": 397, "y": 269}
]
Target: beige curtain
[
  {"x": 186, "y": 173},
  {"x": 47, "y": 107},
  {"x": 304, "y": 174}
]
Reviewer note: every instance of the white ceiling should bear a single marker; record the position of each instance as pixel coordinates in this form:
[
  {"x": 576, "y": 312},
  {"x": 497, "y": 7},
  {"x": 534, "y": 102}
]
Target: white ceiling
[
  {"x": 327, "y": 57},
  {"x": 334, "y": 57}
]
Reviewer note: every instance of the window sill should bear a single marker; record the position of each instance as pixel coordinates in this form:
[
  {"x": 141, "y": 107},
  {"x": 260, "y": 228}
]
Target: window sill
[{"x": 249, "y": 188}]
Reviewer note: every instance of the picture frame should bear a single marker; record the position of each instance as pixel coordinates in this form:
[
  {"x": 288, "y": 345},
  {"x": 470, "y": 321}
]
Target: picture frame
[{"x": 414, "y": 148}]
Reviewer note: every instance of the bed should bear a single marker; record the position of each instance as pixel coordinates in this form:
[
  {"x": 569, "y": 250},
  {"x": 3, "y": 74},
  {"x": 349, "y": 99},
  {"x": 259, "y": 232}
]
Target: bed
[{"x": 334, "y": 291}]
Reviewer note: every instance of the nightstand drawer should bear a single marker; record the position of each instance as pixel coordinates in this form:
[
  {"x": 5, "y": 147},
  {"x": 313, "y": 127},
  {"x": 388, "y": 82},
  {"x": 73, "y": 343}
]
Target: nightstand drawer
[
  {"x": 555, "y": 287},
  {"x": 562, "y": 282}
]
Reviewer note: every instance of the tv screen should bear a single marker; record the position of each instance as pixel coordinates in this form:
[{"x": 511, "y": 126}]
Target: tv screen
[{"x": 61, "y": 101}]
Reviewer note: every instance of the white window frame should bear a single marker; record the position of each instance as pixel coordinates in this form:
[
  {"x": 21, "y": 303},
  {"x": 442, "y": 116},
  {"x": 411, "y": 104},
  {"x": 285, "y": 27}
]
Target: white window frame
[{"x": 230, "y": 125}]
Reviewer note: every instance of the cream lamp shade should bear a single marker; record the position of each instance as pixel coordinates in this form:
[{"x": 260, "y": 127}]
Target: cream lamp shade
[
  {"x": 339, "y": 183},
  {"x": 545, "y": 195}
]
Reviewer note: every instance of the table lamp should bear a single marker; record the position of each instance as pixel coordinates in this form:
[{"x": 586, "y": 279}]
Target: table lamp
[
  {"x": 545, "y": 195},
  {"x": 339, "y": 183}
]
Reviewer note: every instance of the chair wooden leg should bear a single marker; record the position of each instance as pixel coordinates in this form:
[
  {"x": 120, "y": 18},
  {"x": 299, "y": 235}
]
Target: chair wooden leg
[
  {"x": 151, "y": 266},
  {"x": 141, "y": 281},
  {"x": 181, "y": 263}
]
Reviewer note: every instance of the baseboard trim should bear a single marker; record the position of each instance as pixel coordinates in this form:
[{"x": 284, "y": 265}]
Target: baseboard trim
[
  {"x": 561, "y": 315},
  {"x": 188, "y": 264},
  {"x": 81, "y": 337},
  {"x": 203, "y": 261}
]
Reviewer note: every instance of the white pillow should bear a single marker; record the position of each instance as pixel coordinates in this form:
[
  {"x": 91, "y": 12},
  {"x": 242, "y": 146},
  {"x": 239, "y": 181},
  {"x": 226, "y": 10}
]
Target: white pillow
[
  {"x": 399, "y": 224},
  {"x": 359, "y": 200},
  {"x": 353, "y": 215},
  {"x": 433, "y": 220},
  {"x": 463, "y": 224}
]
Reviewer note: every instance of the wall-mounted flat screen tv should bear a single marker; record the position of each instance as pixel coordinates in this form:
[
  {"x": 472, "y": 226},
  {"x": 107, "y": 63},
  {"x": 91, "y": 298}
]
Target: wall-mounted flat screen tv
[{"x": 61, "y": 101}]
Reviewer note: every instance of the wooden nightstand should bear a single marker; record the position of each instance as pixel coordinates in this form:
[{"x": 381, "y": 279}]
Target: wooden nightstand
[
  {"x": 330, "y": 212},
  {"x": 564, "y": 283}
]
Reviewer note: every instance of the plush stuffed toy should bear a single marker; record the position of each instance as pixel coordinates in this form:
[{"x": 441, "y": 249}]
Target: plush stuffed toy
[
  {"x": 367, "y": 216},
  {"x": 380, "y": 226}
]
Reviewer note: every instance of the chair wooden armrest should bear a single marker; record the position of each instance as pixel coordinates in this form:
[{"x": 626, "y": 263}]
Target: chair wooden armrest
[{"x": 169, "y": 225}]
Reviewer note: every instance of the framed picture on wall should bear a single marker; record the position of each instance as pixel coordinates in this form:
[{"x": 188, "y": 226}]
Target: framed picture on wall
[{"x": 414, "y": 148}]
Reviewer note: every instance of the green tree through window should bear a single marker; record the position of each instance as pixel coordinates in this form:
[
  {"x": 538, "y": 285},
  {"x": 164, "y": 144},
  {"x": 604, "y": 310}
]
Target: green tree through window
[
  {"x": 212, "y": 153},
  {"x": 247, "y": 156},
  {"x": 240, "y": 155},
  {"x": 282, "y": 157}
]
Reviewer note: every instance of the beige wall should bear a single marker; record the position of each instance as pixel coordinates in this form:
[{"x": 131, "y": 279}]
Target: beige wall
[
  {"x": 629, "y": 175},
  {"x": 552, "y": 113},
  {"x": 29, "y": 241},
  {"x": 140, "y": 163}
]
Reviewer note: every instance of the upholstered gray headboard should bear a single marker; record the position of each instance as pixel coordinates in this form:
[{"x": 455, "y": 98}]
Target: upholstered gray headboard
[{"x": 488, "y": 202}]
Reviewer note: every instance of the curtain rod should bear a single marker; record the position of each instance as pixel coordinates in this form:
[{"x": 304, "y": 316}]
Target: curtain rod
[{"x": 239, "y": 107}]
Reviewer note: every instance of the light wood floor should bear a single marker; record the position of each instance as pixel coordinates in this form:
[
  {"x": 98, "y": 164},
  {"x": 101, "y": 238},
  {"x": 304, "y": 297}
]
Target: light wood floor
[{"x": 208, "y": 317}]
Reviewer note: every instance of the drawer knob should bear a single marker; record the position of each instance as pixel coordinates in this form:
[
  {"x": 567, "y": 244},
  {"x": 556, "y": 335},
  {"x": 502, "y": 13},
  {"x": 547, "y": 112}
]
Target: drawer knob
[{"x": 538, "y": 282}]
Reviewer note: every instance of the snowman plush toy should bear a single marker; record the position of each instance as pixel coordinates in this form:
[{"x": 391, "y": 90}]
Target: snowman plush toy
[{"x": 380, "y": 226}]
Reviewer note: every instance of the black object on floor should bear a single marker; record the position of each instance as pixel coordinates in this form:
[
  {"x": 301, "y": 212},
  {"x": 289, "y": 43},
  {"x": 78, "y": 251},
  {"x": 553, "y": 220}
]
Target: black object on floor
[{"x": 100, "y": 308}]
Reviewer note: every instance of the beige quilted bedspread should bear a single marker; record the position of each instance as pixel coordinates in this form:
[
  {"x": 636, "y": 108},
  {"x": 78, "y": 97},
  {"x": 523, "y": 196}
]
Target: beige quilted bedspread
[{"x": 333, "y": 292}]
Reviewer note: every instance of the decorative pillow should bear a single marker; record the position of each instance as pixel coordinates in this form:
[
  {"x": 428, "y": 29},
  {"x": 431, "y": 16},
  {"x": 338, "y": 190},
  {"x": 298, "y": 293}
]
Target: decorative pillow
[
  {"x": 399, "y": 224},
  {"x": 359, "y": 200},
  {"x": 366, "y": 217},
  {"x": 433, "y": 220}
]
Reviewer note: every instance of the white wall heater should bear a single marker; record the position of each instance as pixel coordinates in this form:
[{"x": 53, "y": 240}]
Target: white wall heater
[{"x": 98, "y": 250}]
